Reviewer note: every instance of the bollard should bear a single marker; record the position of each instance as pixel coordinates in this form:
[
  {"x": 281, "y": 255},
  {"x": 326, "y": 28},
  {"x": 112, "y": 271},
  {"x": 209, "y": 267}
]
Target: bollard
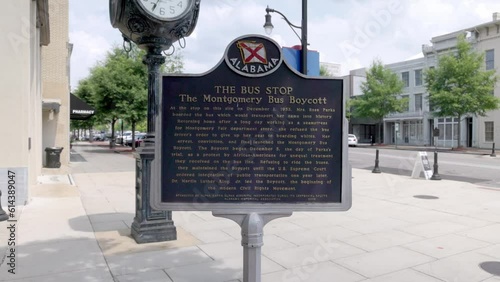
[
  {"x": 493, "y": 151},
  {"x": 376, "y": 169},
  {"x": 435, "y": 174}
]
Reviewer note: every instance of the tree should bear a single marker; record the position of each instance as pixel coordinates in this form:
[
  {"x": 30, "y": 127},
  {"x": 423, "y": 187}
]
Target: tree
[
  {"x": 134, "y": 108},
  {"x": 110, "y": 87},
  {"x": 380, "y": 95},
  {"x": 118, "y": 86},
  {"x": 460, "y": 85},
  {"x": 324, "y": 71},
  {"x": 84, "y": 92}
]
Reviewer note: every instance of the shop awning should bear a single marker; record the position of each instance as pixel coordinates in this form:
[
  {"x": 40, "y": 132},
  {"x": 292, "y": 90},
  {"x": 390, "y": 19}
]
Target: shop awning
[{"x": 79, "y": 109}]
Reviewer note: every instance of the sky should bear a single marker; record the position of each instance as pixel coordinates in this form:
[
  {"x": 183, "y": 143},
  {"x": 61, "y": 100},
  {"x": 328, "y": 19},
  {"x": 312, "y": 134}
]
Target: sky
[{"x": 349, "y": 32}]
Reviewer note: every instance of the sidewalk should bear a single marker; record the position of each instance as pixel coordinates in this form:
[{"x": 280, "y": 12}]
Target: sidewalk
[
  {"x": 467, "y": 150},
  {"x": 81, "y": 232}
]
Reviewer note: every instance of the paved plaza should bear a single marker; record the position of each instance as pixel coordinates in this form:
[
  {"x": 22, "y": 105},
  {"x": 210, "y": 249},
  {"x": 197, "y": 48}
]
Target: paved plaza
[{"x": 77, "y": 228}]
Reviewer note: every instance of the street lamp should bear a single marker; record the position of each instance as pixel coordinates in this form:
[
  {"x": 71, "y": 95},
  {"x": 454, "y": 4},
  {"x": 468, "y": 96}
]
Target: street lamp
[{"x": 268, "y": 27}]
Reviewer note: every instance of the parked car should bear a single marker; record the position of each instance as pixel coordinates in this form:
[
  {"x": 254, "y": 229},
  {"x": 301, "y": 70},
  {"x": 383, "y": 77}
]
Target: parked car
[
  {"x": 99, "y": 136},
  {"x": 127, "y": 137},
  {"x": 139, "y": 137},
  {"x": 118, "y": 139},
  {"x": 352, "y": 140},
  {"x": 122, "y": 139}
]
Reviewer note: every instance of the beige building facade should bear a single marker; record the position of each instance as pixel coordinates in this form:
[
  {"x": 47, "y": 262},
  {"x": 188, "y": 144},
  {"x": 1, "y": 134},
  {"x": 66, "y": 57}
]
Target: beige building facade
[
  {"x": 34, "y": 89},
  {"x": 55, "y": 84}
]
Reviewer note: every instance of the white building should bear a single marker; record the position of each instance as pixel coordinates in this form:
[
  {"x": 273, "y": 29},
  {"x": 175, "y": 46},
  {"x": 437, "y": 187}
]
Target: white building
[
  {"x": 334, "y": 69},
  {"x": 415, "y": 125},
  {"x": 475, "y": 131}
]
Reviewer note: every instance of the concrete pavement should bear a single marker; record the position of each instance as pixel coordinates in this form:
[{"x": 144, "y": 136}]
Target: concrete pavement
[{"x": 399, "y": 229}]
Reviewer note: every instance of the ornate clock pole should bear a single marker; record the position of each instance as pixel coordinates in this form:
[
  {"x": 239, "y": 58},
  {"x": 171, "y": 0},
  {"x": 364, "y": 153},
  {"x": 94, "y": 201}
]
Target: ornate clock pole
[{"x": 154, "y": 25}]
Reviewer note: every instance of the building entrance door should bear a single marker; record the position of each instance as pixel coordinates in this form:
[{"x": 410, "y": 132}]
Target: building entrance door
[{"x": 469, "y": 131}]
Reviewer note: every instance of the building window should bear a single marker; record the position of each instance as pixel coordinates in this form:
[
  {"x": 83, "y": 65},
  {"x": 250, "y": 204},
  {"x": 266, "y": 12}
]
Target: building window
[
  {"x": 418, "y": 77},
  {"x": 488, "y": 131},
  {"x": 405, "y": 76},
  {"x": 406, "y": 107},
  {"x": 448, "y": 129},
  {"x": 412, "y": 131},
  {"x": 490, "y": 59},
  {"x": 418, "y": 102}
]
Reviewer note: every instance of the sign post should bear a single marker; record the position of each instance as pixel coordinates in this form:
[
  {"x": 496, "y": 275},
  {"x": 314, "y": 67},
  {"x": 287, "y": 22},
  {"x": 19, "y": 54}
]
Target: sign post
[
  {"x": 396, "y": 129},
  {"x": 252, "y": 238},
  {"x": 252, "y": 140}
]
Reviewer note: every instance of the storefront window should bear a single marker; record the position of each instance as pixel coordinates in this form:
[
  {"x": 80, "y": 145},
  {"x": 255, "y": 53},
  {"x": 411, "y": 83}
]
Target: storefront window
[
  {"x": 448, "y": 129},
  {"x": 441, "y": 132},
  {"x": 412, "y": 131}
]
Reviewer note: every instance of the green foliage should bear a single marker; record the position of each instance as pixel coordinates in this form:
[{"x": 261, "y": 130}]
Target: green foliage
[
  {"x": 380, "y": 94},
  {"x": 324, "y": 71},
  {"x": 173, "y": 64},
  {"x": 348, "y": 108},
  {"x": 460, "y": 85},
  {"x": 117, "y": 87},
  {"x": 142, "y": 126}
]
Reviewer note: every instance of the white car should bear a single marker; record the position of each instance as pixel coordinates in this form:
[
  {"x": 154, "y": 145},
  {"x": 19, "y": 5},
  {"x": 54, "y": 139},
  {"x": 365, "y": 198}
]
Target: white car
[
  {"x": 120, "y": 139},
  {"x": 352, "y": 140}
]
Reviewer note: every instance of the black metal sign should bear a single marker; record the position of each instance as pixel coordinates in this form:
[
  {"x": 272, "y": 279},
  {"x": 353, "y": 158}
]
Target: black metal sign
[
  {"x": 252, "y": 132},
  {"x": 435, "y": 132}
]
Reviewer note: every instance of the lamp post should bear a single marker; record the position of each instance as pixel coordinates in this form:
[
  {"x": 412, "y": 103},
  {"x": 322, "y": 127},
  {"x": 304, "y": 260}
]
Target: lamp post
[{"x": 268, "y": 26}]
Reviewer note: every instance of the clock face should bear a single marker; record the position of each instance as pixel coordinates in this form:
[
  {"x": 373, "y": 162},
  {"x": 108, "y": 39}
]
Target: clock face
[{"x": 165, "y": 9}]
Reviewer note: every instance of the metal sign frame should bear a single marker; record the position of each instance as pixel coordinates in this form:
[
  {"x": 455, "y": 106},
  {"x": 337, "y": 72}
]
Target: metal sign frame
[{"x": 245, "y": 207}]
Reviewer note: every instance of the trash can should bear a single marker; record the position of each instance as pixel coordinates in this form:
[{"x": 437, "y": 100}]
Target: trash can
[{"x": 53, "y": 157}]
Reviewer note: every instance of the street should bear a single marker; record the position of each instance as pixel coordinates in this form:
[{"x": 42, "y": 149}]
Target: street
[{"x": 473, "y": 168}]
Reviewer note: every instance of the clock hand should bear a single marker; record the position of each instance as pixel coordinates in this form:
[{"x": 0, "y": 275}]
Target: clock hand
[{"x": 154, "y": 5}]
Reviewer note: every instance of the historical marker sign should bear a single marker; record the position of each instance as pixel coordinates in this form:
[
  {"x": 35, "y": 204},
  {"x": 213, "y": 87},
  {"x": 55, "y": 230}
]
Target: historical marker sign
[{"x": 253, "y": 134}]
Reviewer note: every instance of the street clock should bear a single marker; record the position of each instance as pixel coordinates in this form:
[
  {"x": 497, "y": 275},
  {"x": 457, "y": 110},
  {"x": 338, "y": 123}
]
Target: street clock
[
  {"x": 166, "y": 10},
  {"x": 154, "y": 23}
]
